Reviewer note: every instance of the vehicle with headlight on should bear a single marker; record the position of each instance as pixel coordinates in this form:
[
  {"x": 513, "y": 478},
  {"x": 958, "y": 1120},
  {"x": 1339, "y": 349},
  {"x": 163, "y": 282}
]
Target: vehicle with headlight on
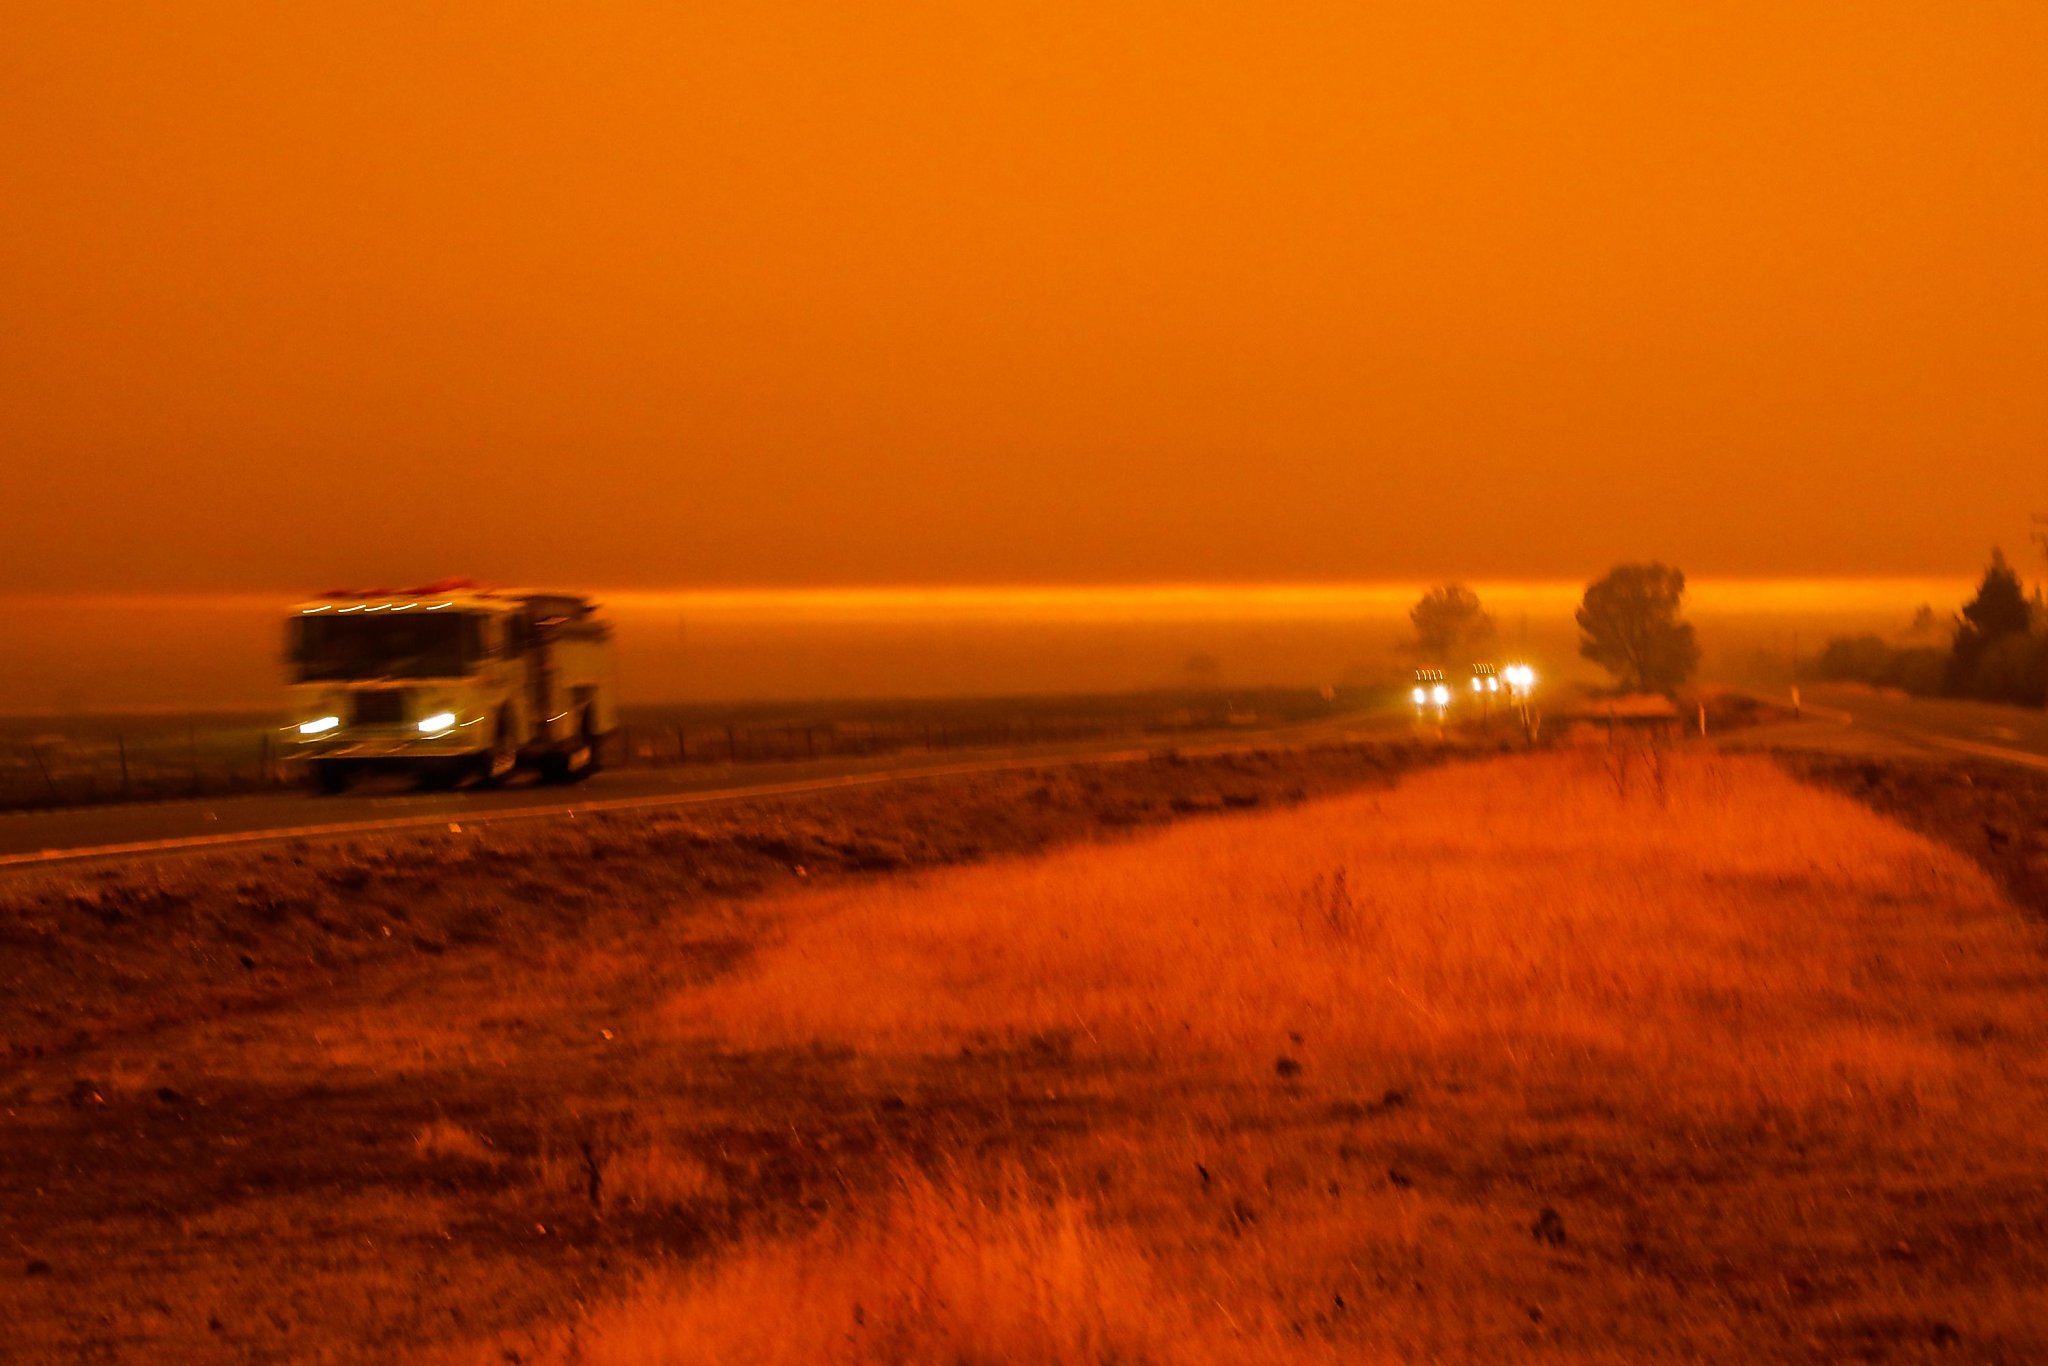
[
  {"x": 1431, "y": 695},
  {"x": 449, "y": 681}
]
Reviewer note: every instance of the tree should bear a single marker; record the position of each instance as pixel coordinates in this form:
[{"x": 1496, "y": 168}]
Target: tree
[
  {"x": 2013, "y": 668},
  {"x": 1926, "y": 627},
  {"x": 1450, "y": 625},
  {"x": 1997, "y": 613},
  {"x": 1629, "y": 625},
  {"x": 2000, "y": 607}
]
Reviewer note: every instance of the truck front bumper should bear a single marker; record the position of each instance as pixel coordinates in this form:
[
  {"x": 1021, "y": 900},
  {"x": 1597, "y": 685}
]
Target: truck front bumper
[{"x": 381, "y": 743}]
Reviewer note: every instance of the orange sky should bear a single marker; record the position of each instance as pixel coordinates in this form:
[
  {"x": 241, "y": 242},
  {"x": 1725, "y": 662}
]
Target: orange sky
[{"x": 787, "y": 294}]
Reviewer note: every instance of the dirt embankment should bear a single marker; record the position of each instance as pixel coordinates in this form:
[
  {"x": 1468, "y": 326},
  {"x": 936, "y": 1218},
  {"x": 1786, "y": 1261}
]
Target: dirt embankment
[
  {"x": 239, "y": 1095},
  {"x": 88, "y": 954},
  {"x": 1989, "y": 811}
]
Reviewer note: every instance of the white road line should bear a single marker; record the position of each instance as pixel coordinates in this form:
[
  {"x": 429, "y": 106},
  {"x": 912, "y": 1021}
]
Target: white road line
[
  {"x": 2010, "y": 756},
  {"x": 512, "y": 813},
  {"x": 794, "y": 787}
]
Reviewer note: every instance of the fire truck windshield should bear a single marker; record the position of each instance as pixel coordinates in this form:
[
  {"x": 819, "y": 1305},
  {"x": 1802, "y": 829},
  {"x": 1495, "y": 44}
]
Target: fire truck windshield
[{"x": 348, "y": 645}]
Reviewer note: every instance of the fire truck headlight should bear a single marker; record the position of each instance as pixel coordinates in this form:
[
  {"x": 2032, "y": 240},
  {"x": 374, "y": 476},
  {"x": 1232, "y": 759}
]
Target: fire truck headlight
[
  {"x": 438, "y": 722},
  {"x": 1420, "y": 697},
  {"x": 319, "y": 726},
  {"x": 1440, "y": 695}
]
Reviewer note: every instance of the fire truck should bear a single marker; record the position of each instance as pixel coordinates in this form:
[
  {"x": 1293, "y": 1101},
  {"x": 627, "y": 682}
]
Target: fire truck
[{"x": 449, "y": 682}]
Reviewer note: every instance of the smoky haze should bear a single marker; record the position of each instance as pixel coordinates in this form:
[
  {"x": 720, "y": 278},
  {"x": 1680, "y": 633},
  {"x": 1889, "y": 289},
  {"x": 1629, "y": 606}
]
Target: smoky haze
[
  {"x": 652, "y": 296},
  {"x": 70, "y": 653}
]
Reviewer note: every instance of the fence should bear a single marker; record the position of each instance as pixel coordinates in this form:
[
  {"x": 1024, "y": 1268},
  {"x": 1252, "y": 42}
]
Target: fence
[
  {"x": 80, "y": 766},
  {"x": 84, "y": 766},
  {"x": 663, "y": 744}
]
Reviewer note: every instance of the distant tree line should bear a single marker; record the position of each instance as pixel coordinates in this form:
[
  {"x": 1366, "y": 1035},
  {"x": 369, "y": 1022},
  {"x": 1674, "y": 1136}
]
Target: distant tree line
[{"x": 1996, "y": 648}]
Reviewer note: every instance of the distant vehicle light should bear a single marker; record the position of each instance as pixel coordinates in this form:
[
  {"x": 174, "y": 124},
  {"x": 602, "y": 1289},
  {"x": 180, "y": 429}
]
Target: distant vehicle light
[
  {"x": 1475, "y": 685},
  {"x": 1440, "y": 695},
  {"x": 1493, "y": 685},
  {"x": 439, "y": 721},
  {"x": 1420, "y": 697},
  {"x": 319, "y": 726}
]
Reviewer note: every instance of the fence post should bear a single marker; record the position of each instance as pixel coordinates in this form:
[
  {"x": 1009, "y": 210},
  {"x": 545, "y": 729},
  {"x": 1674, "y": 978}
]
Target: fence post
[
  {"x": 682, "y": 746},
  {"x": 732, "y": 744},
  {"x": 48, "y": 781}
]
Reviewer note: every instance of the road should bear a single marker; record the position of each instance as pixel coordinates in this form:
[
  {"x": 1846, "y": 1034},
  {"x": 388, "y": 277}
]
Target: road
[
  {"x": 40, "y": 838},
  {"x": 1847, "y": 716}
]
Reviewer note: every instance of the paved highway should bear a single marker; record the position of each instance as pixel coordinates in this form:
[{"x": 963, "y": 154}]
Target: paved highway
[
  {"x": 1848, "y": 716},
  {"x": 1839, "y": 717},
  {"x": 44, "y": 837}
]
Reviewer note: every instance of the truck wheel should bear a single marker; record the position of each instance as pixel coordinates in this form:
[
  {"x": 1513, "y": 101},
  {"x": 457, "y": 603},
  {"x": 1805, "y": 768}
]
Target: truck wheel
[
  {"x": 331, "y": 777},
  {"x": 498, "y": 762},
  {"x": 576, "y": 763}
]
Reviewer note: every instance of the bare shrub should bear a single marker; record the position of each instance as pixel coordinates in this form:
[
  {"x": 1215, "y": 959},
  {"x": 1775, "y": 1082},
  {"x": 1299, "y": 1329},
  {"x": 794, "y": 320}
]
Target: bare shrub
[
  {"x": 940, "y": 1277},
  {"x": 445, "y": 1140},
  {"x": 658, "y": 1176},
  {"x": 610, "y": 1162}
]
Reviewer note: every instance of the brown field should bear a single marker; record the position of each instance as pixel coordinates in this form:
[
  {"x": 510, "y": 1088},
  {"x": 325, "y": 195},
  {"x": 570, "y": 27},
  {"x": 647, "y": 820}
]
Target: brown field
[{"x": 1566, "y": 1057}]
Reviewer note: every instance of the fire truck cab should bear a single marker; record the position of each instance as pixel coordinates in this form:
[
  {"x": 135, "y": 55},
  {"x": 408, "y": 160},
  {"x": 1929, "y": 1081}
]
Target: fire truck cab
[{"x": 449, "y": 681}]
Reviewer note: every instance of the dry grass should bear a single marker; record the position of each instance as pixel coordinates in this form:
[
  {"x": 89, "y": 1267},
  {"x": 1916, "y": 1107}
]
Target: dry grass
[
  {"x": 937, "y": 1278},
  {"x": 1555, "y": 1059},
  {"x": 1725, "y": 935}
]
